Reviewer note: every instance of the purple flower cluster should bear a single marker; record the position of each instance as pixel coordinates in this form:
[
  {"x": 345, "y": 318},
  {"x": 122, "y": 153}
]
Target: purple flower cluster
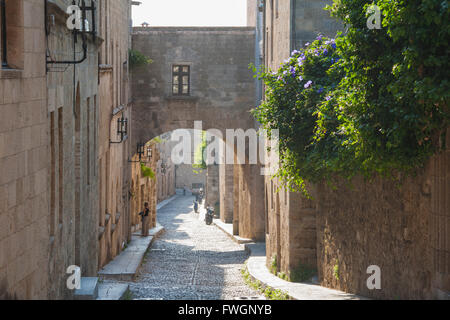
[
  {"x": 308, "y": 84},
  {"x": 301, "y": 60},
  {"x": 331, "y": 42},
  {"x": 333, "y": 60},
  {"x": 292, "y": 70}
]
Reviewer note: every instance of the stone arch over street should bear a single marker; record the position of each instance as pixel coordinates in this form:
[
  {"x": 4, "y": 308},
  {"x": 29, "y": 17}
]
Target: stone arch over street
[{"x": 201, "y": 74}]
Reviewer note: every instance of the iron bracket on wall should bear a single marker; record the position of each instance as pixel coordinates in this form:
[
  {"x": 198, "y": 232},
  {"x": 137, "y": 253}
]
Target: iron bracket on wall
[{"x": 84, "y": 8}]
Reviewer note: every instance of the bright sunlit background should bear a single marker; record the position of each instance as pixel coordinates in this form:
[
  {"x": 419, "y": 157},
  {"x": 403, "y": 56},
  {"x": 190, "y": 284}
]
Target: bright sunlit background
[{"x": 198, "y": 13}]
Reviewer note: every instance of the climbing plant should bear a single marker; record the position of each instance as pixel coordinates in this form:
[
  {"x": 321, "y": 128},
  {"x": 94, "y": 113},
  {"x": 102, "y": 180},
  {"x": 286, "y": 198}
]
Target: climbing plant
[
  {"x": 147, "y": 172},
  {"x": 138, "y": 59},
  {"x": 372, "y": 101}
]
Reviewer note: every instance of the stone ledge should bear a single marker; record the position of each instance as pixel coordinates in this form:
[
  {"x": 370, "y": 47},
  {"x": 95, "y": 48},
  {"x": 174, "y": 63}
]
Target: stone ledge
[
  {"x": 113, "y": 291},
  {"x": 126, "y": 265},
  {"x": 256, "y": 267},
  {"x": 10, "y": 73},
  {"x": 227, "y": 228}
]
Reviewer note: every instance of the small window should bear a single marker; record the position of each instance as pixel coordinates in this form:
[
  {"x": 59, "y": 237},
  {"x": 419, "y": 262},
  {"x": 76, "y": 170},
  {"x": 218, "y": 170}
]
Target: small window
[
  {"x": 181, "y": 80},
  {"x": 11, "y": 34},
  {"x": 3, "y": 42}
]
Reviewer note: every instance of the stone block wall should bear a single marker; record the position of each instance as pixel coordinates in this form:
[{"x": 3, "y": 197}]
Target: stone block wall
[
  {"x": 144, "y": 189},
  {"x": 24, "y": 158},
  {"x": 311, "y": 20},
  {"x": 248, "y": 207},
  {"x": 212, "y": 185},
  {"x": 226, "y": 192},
  {"x": 115, "y": 103},
  {"x": 186, "y": 175},
  {"x": 73, "y": 110},
  {"x": 403, "y": 229}
]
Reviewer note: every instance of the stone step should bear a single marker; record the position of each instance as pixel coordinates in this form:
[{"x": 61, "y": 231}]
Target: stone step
[
  {"x": 114, "y": 291},
  {"x": 89, "y": 289},
  {"x": 125, "y": 266}
]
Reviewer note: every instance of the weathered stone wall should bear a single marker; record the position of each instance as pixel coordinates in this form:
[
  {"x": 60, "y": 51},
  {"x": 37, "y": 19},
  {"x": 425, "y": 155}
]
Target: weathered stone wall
[
  {"x": 144, "y": 189},
  {"x": 277, "y": 45},
  {"x": 292, "y": 229},
  {"x": 24, "y": 160},
  {"x": 290, "y": 222},
  {"x": 212, "y": 186},
  {"x": 115, "y": 103},
  {"x": 73, "y": 106},
  {"x": 250, "y": 191},
  {"x": 252, "y": 12},
  {"x": 222, "y": 86},
  {"x": 222, "y": 91},
  {"x": 166, "y": 169},
  {"x": 311, "y": 20},
  {"x": 403, "y": 229},
  {"x": 186, "y": 175},
  {"x": 226, "y": 186}
]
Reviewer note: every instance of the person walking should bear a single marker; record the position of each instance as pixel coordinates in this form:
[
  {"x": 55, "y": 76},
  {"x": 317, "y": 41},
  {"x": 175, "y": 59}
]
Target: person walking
[{"x": 145, "y": 220}]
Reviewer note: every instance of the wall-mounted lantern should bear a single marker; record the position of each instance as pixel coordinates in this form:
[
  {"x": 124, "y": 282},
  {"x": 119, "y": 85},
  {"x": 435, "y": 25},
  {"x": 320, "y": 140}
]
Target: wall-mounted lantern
[
  {"x": 122, "y": 129},
  {"x": 140, "y": 151},
  {"x": 163, "y": 167},
  {"x": 149, "y": 153}
]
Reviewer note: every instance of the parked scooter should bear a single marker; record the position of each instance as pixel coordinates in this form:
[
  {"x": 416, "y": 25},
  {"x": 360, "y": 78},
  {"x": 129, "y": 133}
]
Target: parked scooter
[
  {"x": 196, "y": 206},
  {"x": 209, "y": 215}
]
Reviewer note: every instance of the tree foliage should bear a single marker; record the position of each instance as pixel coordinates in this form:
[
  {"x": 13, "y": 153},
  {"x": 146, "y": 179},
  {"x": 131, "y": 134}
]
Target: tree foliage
[{"x": 368, "y": 102}]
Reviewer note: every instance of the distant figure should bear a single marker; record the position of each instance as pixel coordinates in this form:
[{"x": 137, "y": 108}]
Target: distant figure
[
  {"x": 184, "y": 190},
  {"x": 145, "y": 216}
]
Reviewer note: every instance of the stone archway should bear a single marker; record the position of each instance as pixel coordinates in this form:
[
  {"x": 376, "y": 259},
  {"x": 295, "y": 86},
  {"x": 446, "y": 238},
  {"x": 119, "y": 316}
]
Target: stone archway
[{"x": 215, "y": 86}]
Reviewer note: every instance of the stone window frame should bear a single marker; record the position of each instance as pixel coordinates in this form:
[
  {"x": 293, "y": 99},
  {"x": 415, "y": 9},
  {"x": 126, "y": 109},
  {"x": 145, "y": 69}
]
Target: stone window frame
[
  {"x": 3, "y": 35},
  {"x": 180, "y": 75},
  {"x": 11, "y": 66}
]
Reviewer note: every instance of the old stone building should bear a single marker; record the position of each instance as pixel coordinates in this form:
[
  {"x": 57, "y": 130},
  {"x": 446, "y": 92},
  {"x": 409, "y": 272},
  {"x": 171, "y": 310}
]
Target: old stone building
[
  {"x": 202, "y": 75},
  {"x": 144, "y": 188},
  {"x": 290, "y": 219},
  {"x": 115, "y": 217},
  {"x": 184, "y": 175},
  {"x": 73, "y": 104},
  {"x": 53, "y": 102},
  {"x": 346, "y": 229},
  {"x": 24, "y": 153},
  {"x": 165, "y": 172}
]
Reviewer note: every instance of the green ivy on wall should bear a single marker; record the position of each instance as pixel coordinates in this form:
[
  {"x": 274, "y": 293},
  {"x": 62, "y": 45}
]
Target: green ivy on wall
[{"x": 137, "y": 59}]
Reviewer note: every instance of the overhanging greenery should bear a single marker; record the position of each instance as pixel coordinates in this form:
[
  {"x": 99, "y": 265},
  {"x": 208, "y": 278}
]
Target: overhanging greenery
[{"x": 368, "y": 102}]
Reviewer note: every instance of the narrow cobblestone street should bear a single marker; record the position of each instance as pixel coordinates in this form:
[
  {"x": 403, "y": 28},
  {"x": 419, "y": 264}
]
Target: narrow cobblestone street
[{"x": 191, "y": 261}]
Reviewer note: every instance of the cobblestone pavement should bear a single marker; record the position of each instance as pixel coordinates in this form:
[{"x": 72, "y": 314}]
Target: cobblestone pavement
[{"x": 191, "y": 261}]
